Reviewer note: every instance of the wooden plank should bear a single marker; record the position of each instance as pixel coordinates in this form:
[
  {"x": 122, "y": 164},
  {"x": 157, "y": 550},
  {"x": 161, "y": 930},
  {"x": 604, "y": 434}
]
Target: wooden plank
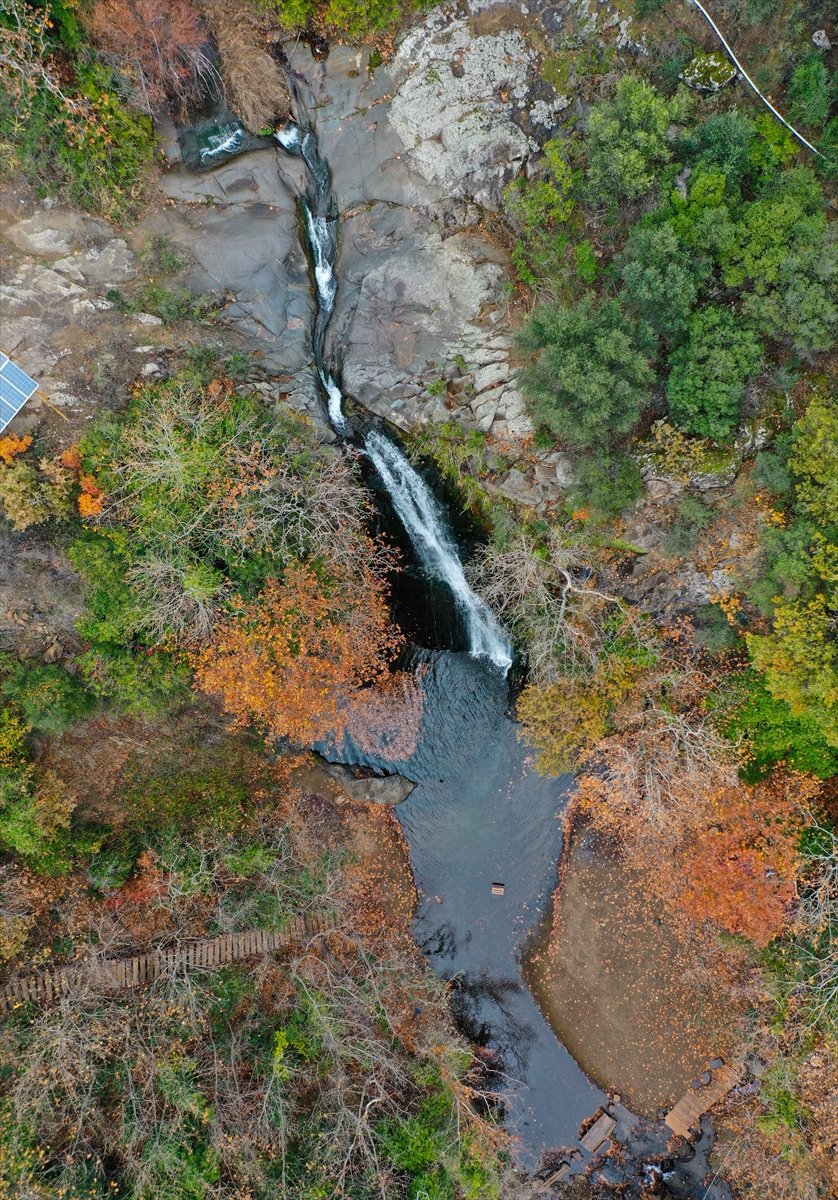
[
  {"x": 144, "y": 968},
  {"x": 598, "y": 1133},
  {"x": 687, "y": 1113}
]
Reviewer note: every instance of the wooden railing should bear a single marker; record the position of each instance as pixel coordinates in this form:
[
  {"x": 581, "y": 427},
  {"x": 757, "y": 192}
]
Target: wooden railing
[{"x": 120, "y": 973}]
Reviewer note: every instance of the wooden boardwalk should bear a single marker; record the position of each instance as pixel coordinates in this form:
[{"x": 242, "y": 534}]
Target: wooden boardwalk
[
  {"x": 120, "y": 973},
  {"x": 688, "y": 1112}
]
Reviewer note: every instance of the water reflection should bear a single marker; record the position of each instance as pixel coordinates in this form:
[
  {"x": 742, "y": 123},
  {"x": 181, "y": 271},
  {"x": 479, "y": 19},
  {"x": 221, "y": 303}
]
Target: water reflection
[{"x": 482, "y": 815}]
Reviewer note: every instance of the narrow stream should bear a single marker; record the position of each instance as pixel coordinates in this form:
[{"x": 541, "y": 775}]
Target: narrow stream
[
  {"x": 480, "y": 815},
  {"x": 412, "y": 499}
]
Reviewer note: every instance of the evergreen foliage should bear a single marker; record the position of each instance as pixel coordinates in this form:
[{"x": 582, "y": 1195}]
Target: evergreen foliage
[
  {"x": 627, "y": 140},
  {"x": 661, "y": 277},
  {"x": 591, "y": 379},
  {"x": 707, "y": 380}
]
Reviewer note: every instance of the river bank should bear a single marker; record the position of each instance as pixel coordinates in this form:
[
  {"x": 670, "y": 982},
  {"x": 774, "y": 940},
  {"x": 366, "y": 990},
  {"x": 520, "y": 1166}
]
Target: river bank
[{"x": 641, "y": 1012}]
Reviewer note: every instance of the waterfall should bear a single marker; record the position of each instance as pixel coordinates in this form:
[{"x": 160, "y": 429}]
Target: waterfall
[
  {"x": 423, "y": 519},
  {"x": 412, "y": 499}
]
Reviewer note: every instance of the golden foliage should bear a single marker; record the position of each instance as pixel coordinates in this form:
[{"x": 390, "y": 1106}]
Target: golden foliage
[
  {"x": 12, "y": 445},
  {"x": 30, "y": 497},
  {"x": 302, "y": 654},
  {"x": 571, "y": 715},
  {"x": 54, "y": 804}
]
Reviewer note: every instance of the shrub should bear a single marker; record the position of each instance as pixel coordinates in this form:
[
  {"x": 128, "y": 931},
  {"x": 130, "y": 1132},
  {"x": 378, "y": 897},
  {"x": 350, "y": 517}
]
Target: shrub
[
  {"x": 49, "y": 697},
  {"x": 803, "y": 306},
  {"x": 771, "y": 472},
  {"x": 536, "y": 209},
  {"x": 786, "y": 570},
  {"x": 723, "y": 144},
  {"x": 587, "y": 267},
  {"x": 66, "y": 127},
  {"x": 36, "y": 816},
  {"x": 661, "y": 278},
  {"x": 693, "y": 518},
  {"x": 590, "y": 381},
  {"x": 708, "y": 376},
  {"x": 607, "y": 484},
  {"x": 211, "y": 488},
  {"x": 33, "y": 496},
  {"x": 157, "y": 44},
  {"x": 770, "y": 227},
  {"x": 811, "y": 91},
  {"x": 627, "y": 142},
  {"x": 773, "y": 735},
  {"x": 354, "y": 18},
  {"x": 292, "y": 14},
  {"x": 118, "y": 665},
  {"x": 800, "y": 660}
]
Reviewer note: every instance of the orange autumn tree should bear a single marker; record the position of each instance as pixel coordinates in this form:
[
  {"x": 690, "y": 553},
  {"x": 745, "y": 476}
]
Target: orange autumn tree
[
  {"x": 302, "y": 655},
  {"x": 740, "y": 872},
  {"x": 666, "y": 788}
]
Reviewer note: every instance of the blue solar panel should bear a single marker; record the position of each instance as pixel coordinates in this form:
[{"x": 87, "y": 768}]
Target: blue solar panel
[{"x": 15, "y": 389}]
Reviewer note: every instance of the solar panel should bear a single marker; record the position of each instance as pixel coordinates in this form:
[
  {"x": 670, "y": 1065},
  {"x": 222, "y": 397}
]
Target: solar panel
[{"x": 15, "y": 389}]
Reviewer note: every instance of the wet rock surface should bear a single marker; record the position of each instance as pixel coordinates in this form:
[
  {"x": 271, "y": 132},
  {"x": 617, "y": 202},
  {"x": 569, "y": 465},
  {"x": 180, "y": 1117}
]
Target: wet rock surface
[{"x": 369, "y": 789}]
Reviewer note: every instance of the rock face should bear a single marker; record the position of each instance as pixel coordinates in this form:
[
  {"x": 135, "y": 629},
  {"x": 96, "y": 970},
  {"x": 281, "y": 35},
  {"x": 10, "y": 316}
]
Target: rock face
[
  {"x": 453, "y": 110},
  {"x": 403, "y": 288},
  {"x": 419, "y": 150},
  {"x": 372, "y": 789},
  {"x": 246, "y": 246},
  {"x": 51, "y": 299}
]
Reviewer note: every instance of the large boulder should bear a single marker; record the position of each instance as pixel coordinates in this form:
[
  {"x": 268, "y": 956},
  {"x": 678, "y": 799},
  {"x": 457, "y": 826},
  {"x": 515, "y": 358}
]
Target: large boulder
[{"x": 369, "y": 789}]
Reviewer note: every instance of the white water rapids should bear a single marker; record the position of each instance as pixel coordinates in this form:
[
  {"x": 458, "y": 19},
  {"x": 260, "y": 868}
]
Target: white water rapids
[
  {"x": 412, "y": 499},
  {"x": 422, "y": 518}
]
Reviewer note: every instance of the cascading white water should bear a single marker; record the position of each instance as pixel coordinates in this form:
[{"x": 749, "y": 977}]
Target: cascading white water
[
  {"x": 423, "y": 519},
  {"x": 323, "y": 244},
  {"x": 412, "y": 499}
]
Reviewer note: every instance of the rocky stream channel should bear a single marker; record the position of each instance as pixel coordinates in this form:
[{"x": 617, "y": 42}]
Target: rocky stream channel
[
  {"x": 352, "y": 258},
  {"x": 481, "y": 824}
]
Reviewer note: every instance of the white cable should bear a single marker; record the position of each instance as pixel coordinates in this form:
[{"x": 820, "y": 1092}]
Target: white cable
[{"x": 745, "y": 75}]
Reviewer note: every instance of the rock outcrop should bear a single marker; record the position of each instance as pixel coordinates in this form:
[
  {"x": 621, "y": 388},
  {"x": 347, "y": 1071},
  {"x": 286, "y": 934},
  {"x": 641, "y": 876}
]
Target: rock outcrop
[{"x": 369, "y": 789}]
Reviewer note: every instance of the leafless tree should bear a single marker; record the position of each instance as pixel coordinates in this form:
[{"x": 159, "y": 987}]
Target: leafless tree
[{"x": 549, "y": 597}]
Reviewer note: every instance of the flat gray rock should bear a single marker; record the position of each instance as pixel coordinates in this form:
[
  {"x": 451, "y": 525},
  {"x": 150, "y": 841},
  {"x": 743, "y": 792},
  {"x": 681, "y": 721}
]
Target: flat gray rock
[
  {"x": 373, "y": 789},
  {"x": 253, "y": 254},
  {"x": 405, "y": 292}
]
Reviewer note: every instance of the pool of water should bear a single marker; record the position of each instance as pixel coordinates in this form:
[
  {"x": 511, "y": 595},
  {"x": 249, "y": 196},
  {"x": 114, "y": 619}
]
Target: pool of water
[{"x": 481, "y": 815}]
